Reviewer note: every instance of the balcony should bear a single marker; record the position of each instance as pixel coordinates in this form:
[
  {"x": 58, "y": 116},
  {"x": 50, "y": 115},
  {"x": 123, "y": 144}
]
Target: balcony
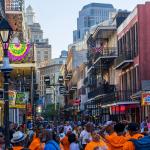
[
  {"x": 117, "y": 97},
  {"x": 108, "y": 54},
  {"x": 123, "y": 60},
  {"x": 90, "y": 81},
  {"x": 13, "y": 6},
  {"x": 103, "y": 89}
]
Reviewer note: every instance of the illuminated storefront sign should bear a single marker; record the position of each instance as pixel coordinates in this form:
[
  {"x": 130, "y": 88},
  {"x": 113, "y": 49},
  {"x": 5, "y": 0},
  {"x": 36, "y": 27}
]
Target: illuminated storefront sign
[{"x": 145, "y": 99}]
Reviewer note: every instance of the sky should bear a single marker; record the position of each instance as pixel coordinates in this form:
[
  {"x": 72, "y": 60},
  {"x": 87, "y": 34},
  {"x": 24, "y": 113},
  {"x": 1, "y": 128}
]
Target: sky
[{"x": 58, "y": 18}]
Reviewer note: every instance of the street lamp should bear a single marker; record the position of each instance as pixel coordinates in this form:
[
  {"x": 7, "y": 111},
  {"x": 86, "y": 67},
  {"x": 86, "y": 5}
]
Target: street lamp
[{"x": 5, "y": 34}]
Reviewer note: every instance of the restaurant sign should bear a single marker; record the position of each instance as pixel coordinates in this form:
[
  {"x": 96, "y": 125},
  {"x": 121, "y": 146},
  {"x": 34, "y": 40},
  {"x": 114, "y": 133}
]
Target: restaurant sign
[{"x": 145, "y": 99}]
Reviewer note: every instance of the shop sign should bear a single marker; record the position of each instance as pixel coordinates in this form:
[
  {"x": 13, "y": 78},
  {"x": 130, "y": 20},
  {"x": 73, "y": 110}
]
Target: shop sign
[
  {"x": 22, "y": 97},
  {"x": 145, "y": 99},
  {"x": 17, "y": 106},
  {"x": 118, "y": 109},
  {"x": 12, "y": 97}
]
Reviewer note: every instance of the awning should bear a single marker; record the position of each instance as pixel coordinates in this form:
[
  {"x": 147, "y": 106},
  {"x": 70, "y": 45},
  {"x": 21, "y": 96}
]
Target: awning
[{"x": 121, "y": 103}]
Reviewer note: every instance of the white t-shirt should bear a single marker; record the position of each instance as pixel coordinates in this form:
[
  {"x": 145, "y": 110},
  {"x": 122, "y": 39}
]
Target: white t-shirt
[
  {"x": 74, "y": 146},
  {"x": 84, "y": 136}
]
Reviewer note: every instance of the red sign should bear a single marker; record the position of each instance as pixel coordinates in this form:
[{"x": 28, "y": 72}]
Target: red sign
[{"x": 76, "y": 102}]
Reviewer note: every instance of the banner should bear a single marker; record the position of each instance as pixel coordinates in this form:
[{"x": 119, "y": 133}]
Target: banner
[{"x": 145, "y": 99}]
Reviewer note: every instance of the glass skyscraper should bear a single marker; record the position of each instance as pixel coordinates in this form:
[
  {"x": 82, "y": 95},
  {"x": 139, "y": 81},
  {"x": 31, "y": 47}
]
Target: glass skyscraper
[{"x": 90, "y": 15}]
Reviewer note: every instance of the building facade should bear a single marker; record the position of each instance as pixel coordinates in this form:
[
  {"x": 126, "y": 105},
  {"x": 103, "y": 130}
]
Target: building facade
[
  {"x": 90, "y": 15},
  {"x": 21, "y": 77},
  {"x": 51, "y": 70},
  {"x": 133, "y": 48}
]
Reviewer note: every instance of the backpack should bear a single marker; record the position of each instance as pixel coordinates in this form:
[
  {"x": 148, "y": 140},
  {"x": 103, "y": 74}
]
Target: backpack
[{"x": 142, "y": 144}]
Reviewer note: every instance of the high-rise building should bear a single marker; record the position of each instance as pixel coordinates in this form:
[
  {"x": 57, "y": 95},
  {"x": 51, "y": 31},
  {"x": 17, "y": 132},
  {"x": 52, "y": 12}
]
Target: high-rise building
[
  {"x": 42, "y": 46},
  {"x": 90, "y": 15}
]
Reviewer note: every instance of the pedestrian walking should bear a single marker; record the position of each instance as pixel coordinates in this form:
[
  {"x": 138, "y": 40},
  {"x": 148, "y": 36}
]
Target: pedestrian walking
[
  {"x": 73, "y": 142},
  {"x": 36, "y": 143},
  {"x": 117, "y": 139},
  {"x": 51, "y": 144},
  {"x": 96, "y": 143},
  {"x": 2, "y": 139},
  {"x": 65, "y": 142},
  {"x": 86, "y": 135},
  {"x": 18, "y": 140}
]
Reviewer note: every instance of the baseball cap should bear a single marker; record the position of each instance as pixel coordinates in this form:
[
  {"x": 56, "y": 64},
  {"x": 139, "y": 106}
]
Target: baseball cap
[{"x": 108, "y": 123}]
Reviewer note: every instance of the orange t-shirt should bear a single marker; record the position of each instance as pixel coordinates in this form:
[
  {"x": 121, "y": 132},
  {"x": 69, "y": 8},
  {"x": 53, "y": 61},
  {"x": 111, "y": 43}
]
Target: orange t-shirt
[
  {"x": 129, "y": 145},
  {"x": 17, "y": 147},
  {"x": 35, "y": 144},
  {"x": 109, "y": 137},
  {"x": 92, "y": 145},
  {"x": 61, "y": 147},
  {"x": 65, "y": 143},
  {"x": 115, "y": 142}
]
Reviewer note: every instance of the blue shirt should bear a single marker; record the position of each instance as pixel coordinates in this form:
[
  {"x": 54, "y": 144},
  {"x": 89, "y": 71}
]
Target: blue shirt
[{"x": 51, "y": 145}]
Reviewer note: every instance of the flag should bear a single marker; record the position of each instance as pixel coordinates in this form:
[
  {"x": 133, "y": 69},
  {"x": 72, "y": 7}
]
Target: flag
[{"x": 98, "y": 49}]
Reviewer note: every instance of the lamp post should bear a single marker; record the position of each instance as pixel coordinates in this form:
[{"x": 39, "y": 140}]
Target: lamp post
[{"x": 5, "y": 33}]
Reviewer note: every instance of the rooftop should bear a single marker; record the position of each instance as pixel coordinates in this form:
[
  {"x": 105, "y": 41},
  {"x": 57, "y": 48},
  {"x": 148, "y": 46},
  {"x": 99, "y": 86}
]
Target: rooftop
[{"x": 98, "y": 5}]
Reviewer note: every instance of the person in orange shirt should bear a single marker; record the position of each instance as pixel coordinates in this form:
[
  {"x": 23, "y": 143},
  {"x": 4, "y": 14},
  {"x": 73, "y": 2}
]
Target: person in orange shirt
[
  {"x": 61, "y": 147},
  {"x": 133, "y": 129},
  {"x": 36, "y": 142},
  {"x": 65, "y": 142},
  {"x": 17, "y": 140},
  {"x": 117, "y": 139},
  {"x": 109, "y": 128},
  {"x": 96, "y": 143}
]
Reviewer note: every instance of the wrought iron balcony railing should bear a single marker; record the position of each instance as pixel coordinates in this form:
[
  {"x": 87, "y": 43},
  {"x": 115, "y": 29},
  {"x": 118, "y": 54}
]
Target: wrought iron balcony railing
[
  {"x": 123, "y": 59},
  {"x": 14, "y": 5},
  {"x": 118, "y": 96},
  {"x": 107, "y": 52},
  {"x": 103, "y": 89}
]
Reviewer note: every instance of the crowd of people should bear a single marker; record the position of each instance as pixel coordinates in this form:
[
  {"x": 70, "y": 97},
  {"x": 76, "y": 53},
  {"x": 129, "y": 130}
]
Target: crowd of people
[{"x": 112, "y": 135}]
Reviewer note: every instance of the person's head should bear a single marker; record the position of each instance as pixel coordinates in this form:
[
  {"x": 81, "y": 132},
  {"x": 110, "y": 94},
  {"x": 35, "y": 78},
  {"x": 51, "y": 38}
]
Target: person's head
[
  {"x": 89, "y": 127},
  {"x": 119, "y": 128},
  {"x": 20, "y": 128},
  {"x": 11, "y": 126},
  {"x": 67, "y": 123},
  {"x": 68, "y": 132},
  {"x": 95, "y": 137},
  {"x": 18, "y": 138},
  {"x": 47, "y": 135},
  {"x": 146, "y": 118},
  {"x": 75, "y": 128},
  {"x": 39, "y": 131},
  {"x": 109, "y": 126},
  {"x": 61, "y": 130},
  {"x": 133, "y": 128},
  {"x": 2, "y": 137},
  {"x": 72, "y": 138}
]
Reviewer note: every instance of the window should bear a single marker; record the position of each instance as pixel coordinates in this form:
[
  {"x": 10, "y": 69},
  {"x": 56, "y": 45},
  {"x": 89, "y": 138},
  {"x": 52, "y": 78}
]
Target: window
[{"x": 60, "y": 62}]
